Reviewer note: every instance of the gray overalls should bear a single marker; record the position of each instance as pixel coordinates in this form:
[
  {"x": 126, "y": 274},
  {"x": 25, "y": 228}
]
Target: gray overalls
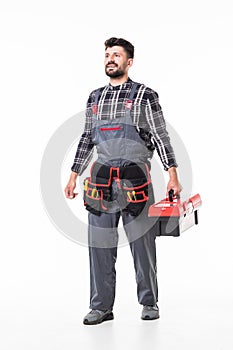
[{"x": 119, "y": 185}]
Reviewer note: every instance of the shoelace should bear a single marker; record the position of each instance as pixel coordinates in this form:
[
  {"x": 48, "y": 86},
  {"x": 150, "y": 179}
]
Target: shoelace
[
  {"x": 150, "y": 308},
  {"x": 96, "y": 312}
]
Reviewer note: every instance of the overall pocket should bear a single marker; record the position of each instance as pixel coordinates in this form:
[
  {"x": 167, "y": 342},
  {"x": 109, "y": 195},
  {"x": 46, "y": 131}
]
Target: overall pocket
[
  {"x": 138, "y": 193},
  {"x": 96, "y": 196},
  {"x": 107, "y": 132}
]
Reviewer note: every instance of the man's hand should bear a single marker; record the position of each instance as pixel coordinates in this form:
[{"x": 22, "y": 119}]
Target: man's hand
[
  {"x": 69, "y": 190},
  {"x": 173, "y": 182}
]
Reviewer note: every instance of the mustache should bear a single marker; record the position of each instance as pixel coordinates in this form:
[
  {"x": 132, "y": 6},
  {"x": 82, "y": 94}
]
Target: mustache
[{"x": 111, "y": 63}]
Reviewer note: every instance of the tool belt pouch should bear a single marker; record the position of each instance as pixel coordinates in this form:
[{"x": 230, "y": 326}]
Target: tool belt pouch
[
  {"x": 96, "y": 195},
  {"x": 138, "y": 193}
]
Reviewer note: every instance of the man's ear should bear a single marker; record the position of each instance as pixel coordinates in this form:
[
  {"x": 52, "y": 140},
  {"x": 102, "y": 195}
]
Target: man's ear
[{"x": 130, "y": 62}]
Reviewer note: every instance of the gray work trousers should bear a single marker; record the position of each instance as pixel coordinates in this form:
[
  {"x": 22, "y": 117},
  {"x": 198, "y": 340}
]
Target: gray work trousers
[{"x": 103, "y": 239}]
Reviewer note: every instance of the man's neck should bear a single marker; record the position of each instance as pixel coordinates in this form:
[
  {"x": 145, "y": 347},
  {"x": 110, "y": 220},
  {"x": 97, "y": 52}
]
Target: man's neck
[{"x": 119, "y": 80}]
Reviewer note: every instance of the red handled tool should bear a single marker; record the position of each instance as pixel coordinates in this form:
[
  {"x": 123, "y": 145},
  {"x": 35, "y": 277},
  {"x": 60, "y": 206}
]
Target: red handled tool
[{"x": 174, "y": 216}]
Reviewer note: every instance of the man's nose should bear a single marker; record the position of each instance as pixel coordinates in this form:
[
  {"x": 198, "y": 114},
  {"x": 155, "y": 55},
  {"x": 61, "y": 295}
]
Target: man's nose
[
  {"x": 111, "y": 61},
  {"x": 111, "y": 58}
]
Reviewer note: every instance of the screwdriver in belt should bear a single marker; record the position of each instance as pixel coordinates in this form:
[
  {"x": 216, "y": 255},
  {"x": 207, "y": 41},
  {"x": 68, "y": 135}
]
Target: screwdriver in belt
[
  {"x": 132, "y": 196},
  {"x": 86, "y": 185},
  {"x": 129, "y": 195},
  {"x": 94, "y": 193}
]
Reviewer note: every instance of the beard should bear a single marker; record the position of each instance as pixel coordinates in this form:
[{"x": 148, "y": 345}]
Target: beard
[{"x": 115, "y": 73}]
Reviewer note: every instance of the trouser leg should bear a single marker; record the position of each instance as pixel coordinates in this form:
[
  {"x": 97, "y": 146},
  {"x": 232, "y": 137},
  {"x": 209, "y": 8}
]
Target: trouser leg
[
  {"x": 103, "y": 239},
  {"x": 143, "y": 250}
]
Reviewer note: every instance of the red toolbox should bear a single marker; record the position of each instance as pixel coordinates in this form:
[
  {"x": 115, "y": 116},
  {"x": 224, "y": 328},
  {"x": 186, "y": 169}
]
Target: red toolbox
[{"x": 173, "y": 216}]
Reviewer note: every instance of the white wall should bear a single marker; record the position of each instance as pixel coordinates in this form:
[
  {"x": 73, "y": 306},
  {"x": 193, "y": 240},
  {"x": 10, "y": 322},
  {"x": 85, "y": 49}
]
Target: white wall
[{"x": 51, "y": 58}]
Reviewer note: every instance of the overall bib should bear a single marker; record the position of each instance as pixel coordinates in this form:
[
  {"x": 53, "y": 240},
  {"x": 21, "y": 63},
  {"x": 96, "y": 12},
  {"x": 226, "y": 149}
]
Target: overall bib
[{"x": 119, "y": 186}]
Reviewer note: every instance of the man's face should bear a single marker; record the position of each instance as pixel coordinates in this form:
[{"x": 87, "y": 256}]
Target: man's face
[{"x": 116, "y": 61}]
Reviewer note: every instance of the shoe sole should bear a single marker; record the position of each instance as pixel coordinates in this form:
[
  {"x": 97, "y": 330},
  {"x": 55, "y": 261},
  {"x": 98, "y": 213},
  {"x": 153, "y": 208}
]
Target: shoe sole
[
  {"x": 102, "y": 319},
  {"x": 148, "y": 318}
]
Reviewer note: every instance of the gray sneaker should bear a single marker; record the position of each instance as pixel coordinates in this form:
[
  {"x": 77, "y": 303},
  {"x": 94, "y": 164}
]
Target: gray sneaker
[
  {"x": 150, "y": 312},
  {"x": 98, "y": 316}
]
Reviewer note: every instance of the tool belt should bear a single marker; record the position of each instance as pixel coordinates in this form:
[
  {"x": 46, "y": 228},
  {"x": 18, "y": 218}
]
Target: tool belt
[{"x": 134, "y": 188}]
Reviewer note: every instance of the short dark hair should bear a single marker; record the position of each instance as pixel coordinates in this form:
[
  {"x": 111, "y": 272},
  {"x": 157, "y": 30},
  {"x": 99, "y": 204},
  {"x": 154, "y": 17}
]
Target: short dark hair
[{"x": 129, "y": 48}]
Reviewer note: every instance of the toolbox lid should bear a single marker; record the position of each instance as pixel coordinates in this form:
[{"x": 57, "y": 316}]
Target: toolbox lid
[{"x": 176, "y": 208}]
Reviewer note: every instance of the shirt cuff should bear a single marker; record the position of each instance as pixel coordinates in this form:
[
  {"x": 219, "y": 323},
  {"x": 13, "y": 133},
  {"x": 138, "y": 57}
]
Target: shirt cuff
[
  {"x": 76, "y": 168},
  {"x": 168, "y": 166}
]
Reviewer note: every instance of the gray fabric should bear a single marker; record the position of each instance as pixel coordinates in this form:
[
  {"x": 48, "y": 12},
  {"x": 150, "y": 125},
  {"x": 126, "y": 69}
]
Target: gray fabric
[
  {"x": 119, "y": 147},
  {"x": 102, "y": 262},
  {"x": 119, "y": 144},
  {"x": 128, "y": 145}
]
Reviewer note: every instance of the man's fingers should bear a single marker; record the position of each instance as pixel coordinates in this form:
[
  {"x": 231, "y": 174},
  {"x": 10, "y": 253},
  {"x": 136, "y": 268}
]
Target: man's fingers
[
  {"x": 69, "y": 189},
  {"x": 73, "y": 195},
  {"x": 175, "y": 189},
  {"x": 69, "y": 192}
]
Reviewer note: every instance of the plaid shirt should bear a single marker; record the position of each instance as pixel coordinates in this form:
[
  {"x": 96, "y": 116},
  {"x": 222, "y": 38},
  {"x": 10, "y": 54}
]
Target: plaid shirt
[{"x": 147, "y": 117}]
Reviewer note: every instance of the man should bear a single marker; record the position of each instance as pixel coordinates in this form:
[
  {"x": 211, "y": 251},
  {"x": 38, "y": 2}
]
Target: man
[{"x": 125, "y": 123}]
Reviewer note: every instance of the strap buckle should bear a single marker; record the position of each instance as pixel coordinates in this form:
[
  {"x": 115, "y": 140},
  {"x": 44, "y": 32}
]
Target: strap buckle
[{"x": 128, "y": 104}]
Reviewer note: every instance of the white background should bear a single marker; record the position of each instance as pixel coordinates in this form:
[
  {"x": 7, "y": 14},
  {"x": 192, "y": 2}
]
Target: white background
[{"x": 51, "y": 58}]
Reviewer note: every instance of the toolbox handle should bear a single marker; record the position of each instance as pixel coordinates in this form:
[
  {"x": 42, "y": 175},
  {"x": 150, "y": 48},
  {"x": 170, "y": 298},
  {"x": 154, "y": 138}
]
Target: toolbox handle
[{"x": 171, "y": 195}]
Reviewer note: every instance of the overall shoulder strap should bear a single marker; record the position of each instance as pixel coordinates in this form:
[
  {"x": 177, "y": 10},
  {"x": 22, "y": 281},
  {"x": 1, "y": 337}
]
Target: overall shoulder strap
[
  {"x": 95, "y": 103},
  {"x": 97, "y": 93},
  {"x": 133, "y": 90},
  {"x": 129, "y": 101}
]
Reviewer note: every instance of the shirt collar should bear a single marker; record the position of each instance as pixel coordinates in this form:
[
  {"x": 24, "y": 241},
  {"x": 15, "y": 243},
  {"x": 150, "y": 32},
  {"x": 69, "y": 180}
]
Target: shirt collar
[{"x": 125, "y": 85}]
